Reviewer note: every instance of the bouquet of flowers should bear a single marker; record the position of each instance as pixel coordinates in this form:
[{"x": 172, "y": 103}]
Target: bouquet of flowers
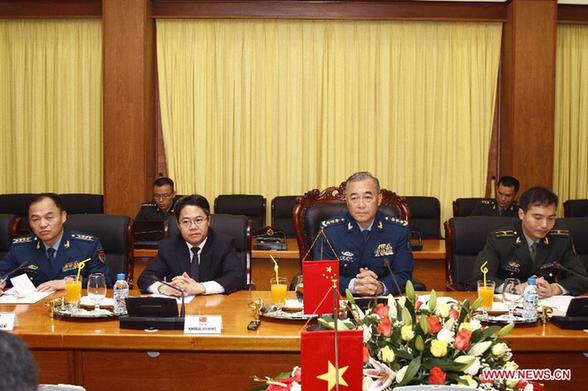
[{"x": 426, "y": 340}]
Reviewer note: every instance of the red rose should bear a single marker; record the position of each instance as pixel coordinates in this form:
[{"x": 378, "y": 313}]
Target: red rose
[
  {"x": 381, "y": 310},
  {"x": 275, "y": 387},
  {"x": 437, "y": 376},
  {"x": 366, "y": 354},
  {"x": 462, "y": 339},
  {"x": 384, "y": 327},
  {"x": 453, "y": 313},
  {"x": 434, "y": 324},
  {"x": 536, "y": 385},
  {"x": 298, "y": 375},
  {"x": 418, "y": 305}
]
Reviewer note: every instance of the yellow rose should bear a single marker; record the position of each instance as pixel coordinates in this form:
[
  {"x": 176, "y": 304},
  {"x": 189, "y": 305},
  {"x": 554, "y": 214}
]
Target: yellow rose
[
  {"x": 442, "y": 310},
  {"x": 499, "y": 349},
  {"x": 438, "y": 348},
  {"x": 406, "y": 332},
  {"x": 467, "y": 326},
  {"x": 387, "y": 354}
]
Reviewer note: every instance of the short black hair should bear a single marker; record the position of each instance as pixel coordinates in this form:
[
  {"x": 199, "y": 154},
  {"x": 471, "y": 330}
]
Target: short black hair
[
  {"x": 194, "y": 200},
  {"x": 41, "y": 196},
  {"x": 537, "y": 196},
  {"x": 163, "y": 181},
  {"x": 509, "y": 181},
  {"x": 19, "y": 369}
]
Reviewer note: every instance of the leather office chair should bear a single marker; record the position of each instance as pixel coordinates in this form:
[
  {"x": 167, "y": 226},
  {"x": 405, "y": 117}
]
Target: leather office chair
[
  {"x": 578, "y": 227},
  {"x": 252, "y": 206},
  {"x": 6, "y": 233},
  {"x": 115, "y": 234},
  {"x": 465, "y": 237},
  {"x": 425, "y": 216},
  {"x": 282, "y": 210},
  {"x": 462, "y": 207},
  {"x": 15, "y": 204},
  {"x": 316, "y": 206},
  {"x": 238, "y": 227},
  {"x": 76, "y": 203},
  {"x": 576, "y": 208}
]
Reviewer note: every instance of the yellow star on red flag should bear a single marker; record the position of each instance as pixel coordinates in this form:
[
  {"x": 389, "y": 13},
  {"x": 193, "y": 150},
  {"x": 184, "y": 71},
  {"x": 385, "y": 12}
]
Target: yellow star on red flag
[{"x": 331, "y": 376}]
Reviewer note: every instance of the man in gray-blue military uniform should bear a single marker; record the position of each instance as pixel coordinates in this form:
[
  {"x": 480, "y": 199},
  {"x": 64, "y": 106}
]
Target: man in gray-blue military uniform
[
  {"x": 367, "y": 243},
  {"x": 53, "y": 252}
]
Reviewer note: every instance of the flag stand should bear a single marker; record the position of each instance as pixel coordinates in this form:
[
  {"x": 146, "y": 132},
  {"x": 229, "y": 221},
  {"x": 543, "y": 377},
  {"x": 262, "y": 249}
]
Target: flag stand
[{"x": 336, "y": 331}]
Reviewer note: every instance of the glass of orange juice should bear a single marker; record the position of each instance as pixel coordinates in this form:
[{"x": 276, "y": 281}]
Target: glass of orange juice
[
  {"x": 73, "y": 290},
  {"x": 279, "y": 288},
  {"x": 486, "y": 292}
]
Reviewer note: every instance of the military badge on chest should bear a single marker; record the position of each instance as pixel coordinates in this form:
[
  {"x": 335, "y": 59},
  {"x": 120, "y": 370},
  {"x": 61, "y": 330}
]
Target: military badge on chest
[
  {"x": 73, "y": 265},
  {"x": 513, "y": 266},
  {"x": 383, "y": 249},
  {"x": 346, "y": 257}
]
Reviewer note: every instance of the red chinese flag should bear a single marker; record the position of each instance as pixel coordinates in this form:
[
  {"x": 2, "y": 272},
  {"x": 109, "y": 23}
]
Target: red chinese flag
[
  {"x": 318, "y": 360},
  {"x": 318, "y": 277}
]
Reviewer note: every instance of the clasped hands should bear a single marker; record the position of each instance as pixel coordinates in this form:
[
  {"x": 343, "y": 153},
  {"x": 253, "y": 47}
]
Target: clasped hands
[
  {"x": 544, "y": 288},
  {"x": 185, "y": 283},
  {"x": 367, "y": 284}
]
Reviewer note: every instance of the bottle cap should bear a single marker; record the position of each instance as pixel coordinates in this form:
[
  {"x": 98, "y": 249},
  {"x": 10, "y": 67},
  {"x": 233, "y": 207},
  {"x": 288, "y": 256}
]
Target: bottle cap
[
  {"x": 532, "y": 281},
  {"x": 120, "y": 276}
]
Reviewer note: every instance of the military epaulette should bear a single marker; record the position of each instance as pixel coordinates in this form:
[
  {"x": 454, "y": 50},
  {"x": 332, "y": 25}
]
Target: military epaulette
[
  {"x": 559, "y": 232},
  {"x": 395, "y": 220},
  {"x": 487, "y": 202},
  {"x": 505, "y": 234},
  {"x": 87, "y": 238},
  {"x": 148, "y": 204},
  {"x": 338, "y": 220},
  {"x": 24, "y": 239}
]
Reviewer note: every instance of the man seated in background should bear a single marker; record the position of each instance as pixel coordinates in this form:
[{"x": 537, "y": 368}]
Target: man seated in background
[
  {"x": 199, "y": 261},
  {"x": 504, "y": 204},
  {"x": 162, "y": 205},
  {"x": 52, "y": 252},
  {"x": 368, "y": 244},
  {"x": 19, "y": 368},
  {"x": 521, "y": 249}
]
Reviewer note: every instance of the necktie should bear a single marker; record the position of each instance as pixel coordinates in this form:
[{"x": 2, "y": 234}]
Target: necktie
[
  {"x": 533, "y": 250},
  {"x": 365, "y": 234},
  {"x": 194, "y": 267},
  {"x": 50, "y": 254}
]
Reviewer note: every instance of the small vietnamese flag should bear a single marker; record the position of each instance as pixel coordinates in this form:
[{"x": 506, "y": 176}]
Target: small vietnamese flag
[
  {"x": 318, "y": 360},
  {"x": 319, "y": 277}
]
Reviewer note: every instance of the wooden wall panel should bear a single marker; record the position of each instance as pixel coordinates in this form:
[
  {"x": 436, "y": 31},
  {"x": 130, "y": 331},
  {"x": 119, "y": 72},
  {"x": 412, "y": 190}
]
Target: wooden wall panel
[
  {"x": 50, "y": 9},
  {"x": 528, "y": 92},
  {"x": 129, "y": 137}
]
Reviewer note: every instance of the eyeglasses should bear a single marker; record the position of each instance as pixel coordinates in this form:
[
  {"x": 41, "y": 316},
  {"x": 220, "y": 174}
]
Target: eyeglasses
[
  {"x": 162, "y": 196},
  {"x": 198, "y": 221},
  {"x": 356, "y": 199}
]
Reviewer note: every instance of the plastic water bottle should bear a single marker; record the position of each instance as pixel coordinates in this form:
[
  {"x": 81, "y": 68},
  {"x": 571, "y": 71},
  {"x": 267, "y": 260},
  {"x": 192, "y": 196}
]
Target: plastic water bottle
[
  {"x": 120, "y": 292},
  {"x": 530, "y": 299}
]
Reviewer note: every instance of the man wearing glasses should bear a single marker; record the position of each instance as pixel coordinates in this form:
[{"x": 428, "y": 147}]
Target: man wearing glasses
[
  {"x": 162, "y": 206},
  {"x": 370, "y": 246},
  {"x": 199, "y": 261}
]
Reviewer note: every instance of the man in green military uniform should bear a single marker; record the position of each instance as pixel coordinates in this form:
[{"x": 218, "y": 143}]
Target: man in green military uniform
[
  {"x": 530, "y": 246},
  {"x": 162, "y": 205},
  {"x": 504, "y": 204}
]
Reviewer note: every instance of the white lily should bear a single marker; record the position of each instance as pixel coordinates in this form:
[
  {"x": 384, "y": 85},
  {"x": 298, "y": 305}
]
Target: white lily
[
  {"x": 381, "y": 373},
  {"x": 479, "y": 348},
  {"x": 400, "y": 374},
  {"x": 445, "y": 335},
  {"x": 367, "y": 332}
]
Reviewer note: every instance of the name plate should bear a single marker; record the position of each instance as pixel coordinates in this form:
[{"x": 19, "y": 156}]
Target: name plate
[
  {"x": 203, "y": 324},
  {"x": 7, "y": 321}
]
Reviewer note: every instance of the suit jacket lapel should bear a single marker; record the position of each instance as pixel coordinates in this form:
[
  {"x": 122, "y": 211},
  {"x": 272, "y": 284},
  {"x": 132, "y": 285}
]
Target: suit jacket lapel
[
  {"x": 182, "y": 256},
  {"x": 207, "y": 257}
]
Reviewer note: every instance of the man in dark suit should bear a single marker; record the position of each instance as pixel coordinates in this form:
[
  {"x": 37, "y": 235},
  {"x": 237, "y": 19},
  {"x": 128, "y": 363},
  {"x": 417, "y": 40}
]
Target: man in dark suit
[
  {"x": 367, "y": 243},
  {"x": 520, "y": 250},
  {"x": 504, "y": 204},
  {"x": 199, "y": 261}
]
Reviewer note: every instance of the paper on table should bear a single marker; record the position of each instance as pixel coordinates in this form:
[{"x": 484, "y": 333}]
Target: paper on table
[
  {"x": 10, "y": 297},
  {"x": 22, "y": 285},
  {"x": 559, "y": 304},
  {"x": 187, "y": 299}
]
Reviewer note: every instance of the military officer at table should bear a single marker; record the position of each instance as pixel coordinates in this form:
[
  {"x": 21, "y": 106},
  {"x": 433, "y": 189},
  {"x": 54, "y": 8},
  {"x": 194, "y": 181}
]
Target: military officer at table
[
  {"x": 53, "y": 252},
  {"x": 504, "y": 204},
  {"x": 368, "y": 244},
  {"x": 528, "y": 246},
  {"x": 162, "y": 205}
]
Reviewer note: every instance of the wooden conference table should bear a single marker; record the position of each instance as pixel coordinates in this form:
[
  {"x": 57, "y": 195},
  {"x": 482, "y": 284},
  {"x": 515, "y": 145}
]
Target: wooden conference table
[
  {"x": 100, "y": 356},
  {"x": 429, "y": 263}
]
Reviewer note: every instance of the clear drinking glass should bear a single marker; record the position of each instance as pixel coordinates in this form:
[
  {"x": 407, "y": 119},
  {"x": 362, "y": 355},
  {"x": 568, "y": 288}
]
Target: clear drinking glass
[
  {"x": 96, "y": 289},
  {"x": 511, "y": 295},
  {"x": 299, "y": 287}
]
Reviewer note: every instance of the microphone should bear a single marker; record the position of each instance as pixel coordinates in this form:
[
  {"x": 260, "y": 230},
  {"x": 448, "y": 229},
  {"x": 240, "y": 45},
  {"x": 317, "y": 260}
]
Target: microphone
[
  {"x": 387, "y": 264},
  {"x": 559, "y": 266},
  {"x": 549, "y": 266},
  {"x": 10, "y": 273},
  {"x": 183, "y": 307}
]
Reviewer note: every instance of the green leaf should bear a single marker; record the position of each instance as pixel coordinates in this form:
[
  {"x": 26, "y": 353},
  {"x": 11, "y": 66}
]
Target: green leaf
[
  {"x": 349, "y": 296},
  {"x": 465, "y": 308},
  {"x": 419, "y": 344},
  {"x": 476, "y": 304},
  {"x": 412, "y": 370},
  {"x": 409, "y": 291},
  {"x": 505, "y": 330},
  {"x": 432, "y": 300},
  {"x": 484, "y": 334},
  {"x": 444, "y": 364},
  {"x": 326, "y": 323},
  {"x": 423, "y": 324}
]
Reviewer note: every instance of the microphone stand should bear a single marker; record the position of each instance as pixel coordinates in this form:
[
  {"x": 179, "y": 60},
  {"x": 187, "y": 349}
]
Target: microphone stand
[
  {"x": 183, "y": 307},
  {"x": 559, "y": 266},
  {"x": 387, "y": 264}
]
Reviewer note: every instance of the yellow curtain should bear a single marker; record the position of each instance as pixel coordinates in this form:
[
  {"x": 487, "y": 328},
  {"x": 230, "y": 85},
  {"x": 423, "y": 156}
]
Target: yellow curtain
[
  {"x": 570, "y": 176},
  {"x": 281, "y": 107},
  {"x": 50, "y": 106}
]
